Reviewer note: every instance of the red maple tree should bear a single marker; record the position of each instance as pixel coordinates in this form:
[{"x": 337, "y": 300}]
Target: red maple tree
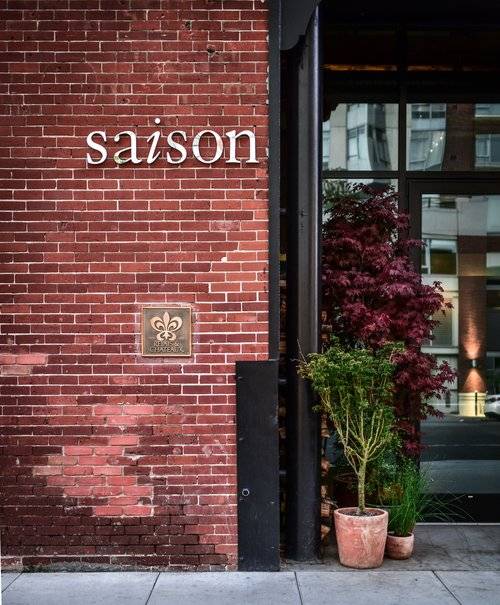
[{"x": 373, "y": 294}]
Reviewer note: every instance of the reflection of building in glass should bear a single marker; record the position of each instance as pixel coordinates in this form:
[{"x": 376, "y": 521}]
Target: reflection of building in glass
[
  {"x": 462, "y": 235},
  {"x": 488, "y": 143},
  {"x": 427, "y": 124},
  {"x": 453, "y": 136},
  {"x": 439, "y": 262},
  {"x": 361, "y": 136},
  {"x": 440, "y": 136},
  {"x": 462, "y": 232}
]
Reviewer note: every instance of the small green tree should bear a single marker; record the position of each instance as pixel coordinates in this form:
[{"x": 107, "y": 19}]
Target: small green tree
[{"x": 355, "y": 389}]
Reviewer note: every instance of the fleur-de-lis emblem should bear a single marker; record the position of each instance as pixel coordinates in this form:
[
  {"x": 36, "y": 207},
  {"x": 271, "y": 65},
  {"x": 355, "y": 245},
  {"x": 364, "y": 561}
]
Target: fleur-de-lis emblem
[{"x": 166, "y": 327}]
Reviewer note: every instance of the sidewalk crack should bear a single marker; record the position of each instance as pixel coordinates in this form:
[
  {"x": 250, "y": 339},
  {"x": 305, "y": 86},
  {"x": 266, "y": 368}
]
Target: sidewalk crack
[
  {"x": 4, "y": 589},
  {"x": 446, "y": 587},
  {"x": 298, "y": 588},
  {"x": 152, "y": 588}
]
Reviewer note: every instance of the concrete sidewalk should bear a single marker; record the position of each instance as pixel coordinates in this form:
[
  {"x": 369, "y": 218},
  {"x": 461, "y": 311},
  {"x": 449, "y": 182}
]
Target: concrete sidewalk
[
  {"x": 239, "y": 588},
  {"x": 451, "y": 564}
]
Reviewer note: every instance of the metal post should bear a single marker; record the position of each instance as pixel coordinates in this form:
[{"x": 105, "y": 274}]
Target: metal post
[{"x": 303, "y": 296}]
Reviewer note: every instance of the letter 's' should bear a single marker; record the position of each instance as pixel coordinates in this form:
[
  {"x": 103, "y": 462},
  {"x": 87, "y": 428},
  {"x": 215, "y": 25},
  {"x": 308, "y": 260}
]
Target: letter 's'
[
  {"x": 177, "y": 146},
  {"x": 100, "y": 148}
]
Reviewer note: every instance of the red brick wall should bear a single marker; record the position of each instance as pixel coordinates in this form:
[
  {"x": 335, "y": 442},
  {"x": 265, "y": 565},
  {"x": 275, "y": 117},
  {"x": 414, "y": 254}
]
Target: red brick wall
[{"x": 110, "y": 457}]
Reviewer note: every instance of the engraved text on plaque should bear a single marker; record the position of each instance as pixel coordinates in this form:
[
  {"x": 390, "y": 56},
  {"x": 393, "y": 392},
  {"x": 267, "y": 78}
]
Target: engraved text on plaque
[{"x": 166, "y": 331}]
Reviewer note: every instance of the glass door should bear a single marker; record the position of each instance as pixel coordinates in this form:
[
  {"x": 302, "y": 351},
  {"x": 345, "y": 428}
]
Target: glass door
[{"x": 459, "y": 220}]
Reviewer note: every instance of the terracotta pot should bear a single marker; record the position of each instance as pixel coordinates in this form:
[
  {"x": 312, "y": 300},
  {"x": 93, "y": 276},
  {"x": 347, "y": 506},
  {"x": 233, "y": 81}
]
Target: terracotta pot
[
  {"x": 399, "y": 547},
  {"x": 361, "y": 539}
]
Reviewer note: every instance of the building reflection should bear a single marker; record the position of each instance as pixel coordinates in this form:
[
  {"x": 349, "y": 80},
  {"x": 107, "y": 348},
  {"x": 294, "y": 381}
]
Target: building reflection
[
  {"x": 461, "y": 232},
  {"x": 455, "y": 136},
  {"x": 361, "y": 136},
  {"x": 439, "y": 137},
  {"x": 463, "y": 253}
]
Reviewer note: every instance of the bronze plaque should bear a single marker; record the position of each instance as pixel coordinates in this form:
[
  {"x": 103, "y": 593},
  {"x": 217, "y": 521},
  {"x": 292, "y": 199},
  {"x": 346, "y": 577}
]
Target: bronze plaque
[{"x": 166, "y": 331}]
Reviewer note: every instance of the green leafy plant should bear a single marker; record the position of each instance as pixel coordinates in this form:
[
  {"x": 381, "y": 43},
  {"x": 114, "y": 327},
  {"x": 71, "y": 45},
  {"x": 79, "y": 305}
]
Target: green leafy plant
[
  {"x": 355, "y": 389},
  {"x": 411, "y": 500}
]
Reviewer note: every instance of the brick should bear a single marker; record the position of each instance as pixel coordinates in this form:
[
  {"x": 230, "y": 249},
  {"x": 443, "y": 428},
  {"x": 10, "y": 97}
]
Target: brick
[
  {"x": 62, "y": 460},
  {"x": 139, "y": 409},
  {"x": 85, "y": 247},
  {"x": 108, "y": 511},
  {"x": 124, "y": 440},
  {"x": 121, "y": 480},
  {"x": 141, "y": 511},
  {"x": 7, "y": 359},
  {"x": 47, "y": 470},
  {"x": 76, "y": 450},
  {"x": 16, "y": 370}
]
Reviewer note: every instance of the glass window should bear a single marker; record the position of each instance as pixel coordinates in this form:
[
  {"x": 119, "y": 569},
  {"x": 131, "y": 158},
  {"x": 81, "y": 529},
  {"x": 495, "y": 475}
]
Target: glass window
[
  {"x": 361, "y": 136},
  {"x": 493, "y": 264},
  {"x": 453, "y": 136},
  {"x": 443, "y": 332},
  {"x": 443, "y": 257},
  {"x": 355, "y": 143},
  {"x": 488, "y": 151},
  {"x": 439, "y": 257},
  {"x": 483, "y": 148},
  {"x": 493, "y": 373},
  {"x": 426, "y": 150},
  {"x": 449, "y": 403},
  {"x": 493, "y": 216},
  {"x": 430, "y": 200},
  {"x": 487, "y": 109},
  {"x": 464, "y": 255},
  {"x": 326, "y": 143}
]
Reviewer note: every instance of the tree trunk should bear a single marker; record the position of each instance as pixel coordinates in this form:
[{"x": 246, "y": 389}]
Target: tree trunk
[{"x": 361, "y": 487}]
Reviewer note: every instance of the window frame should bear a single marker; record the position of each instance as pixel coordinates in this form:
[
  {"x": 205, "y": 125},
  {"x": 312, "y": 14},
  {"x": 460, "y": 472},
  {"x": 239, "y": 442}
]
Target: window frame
[{"x": 402, "y": 175}]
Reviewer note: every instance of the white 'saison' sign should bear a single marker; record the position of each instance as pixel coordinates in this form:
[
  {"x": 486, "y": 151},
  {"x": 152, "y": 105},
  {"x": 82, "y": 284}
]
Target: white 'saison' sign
[{"x": 177, "y": 150}]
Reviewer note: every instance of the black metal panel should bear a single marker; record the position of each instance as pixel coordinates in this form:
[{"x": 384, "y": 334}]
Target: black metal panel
[
  {"x": 274, "y": 167},
  {"x": 296, "y": 16},
  {"x": 258, "y": 465},
  {"x": 303, "y": 295}
]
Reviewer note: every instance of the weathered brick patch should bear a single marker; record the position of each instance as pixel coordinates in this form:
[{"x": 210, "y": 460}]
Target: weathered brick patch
[{"x": 17, "y": 365}]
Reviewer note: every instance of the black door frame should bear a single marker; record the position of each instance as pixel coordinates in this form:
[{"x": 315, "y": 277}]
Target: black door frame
[
  {"x": 293, "y": 27},
  {"x": 466, "y": 507},
  {"x": 303, "y": 211}
]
